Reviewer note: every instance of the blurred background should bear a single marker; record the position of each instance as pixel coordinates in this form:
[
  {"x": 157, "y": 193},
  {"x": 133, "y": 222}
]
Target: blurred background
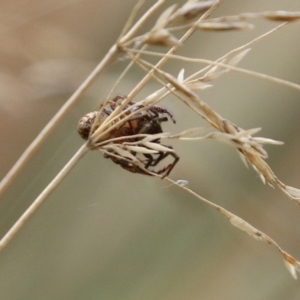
[{"x": 105, "y": 233}]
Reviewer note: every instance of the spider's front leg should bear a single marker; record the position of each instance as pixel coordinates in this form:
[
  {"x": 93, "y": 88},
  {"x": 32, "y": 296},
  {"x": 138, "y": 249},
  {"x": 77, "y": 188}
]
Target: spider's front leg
[
  {"x": 162, "y": 110},
  {"x": 162, "y": 155}
]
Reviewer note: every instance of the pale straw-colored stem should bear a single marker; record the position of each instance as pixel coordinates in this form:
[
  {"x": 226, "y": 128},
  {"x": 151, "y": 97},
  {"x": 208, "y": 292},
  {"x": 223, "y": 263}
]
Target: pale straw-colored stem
[
  {"x": 291, "y": 263},
  {"x": 43, "y": 135},
  {"x": 245, "y": 46},
  {"x": 54, "y": 122},
  {"x": 142, "y": 83},
  {"x": 132, "y": 32},
  {"x": 29, "y": 152},
  {"x": 223, "y": 65},
  {"x": 42, "y": 197},
  {"x": 163, "y": 60}
]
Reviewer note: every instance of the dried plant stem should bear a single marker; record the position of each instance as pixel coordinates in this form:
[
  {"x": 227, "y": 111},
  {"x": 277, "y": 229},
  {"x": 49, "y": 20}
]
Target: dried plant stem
[
  {"x": 247, "y": 45},
  {"x": 131, "y": 18},
  {"x": 149, "y": 75},
  {"x": 54, "y": 122},
  {"x": 42, "y": 197},
  {"x": 43, "y": 135},
  {"x": 142, "y": 83},
  {"x": 33, "y": 147},
  {"x": 291, "y": 263},
  {"x": 225, "y": 66},
  {"x": 134, "y": 153},
  {"x": 250, "y": 43},
  {"x": 131, "y": 33},
  {"x": 122, "y": 75}
]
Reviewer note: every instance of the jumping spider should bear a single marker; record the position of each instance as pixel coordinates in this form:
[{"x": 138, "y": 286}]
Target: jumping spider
[{"x": 145, "y": 121}]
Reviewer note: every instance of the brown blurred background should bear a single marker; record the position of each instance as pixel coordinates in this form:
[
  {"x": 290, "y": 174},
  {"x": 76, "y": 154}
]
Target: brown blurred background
[{"x": 108, "y": 234}]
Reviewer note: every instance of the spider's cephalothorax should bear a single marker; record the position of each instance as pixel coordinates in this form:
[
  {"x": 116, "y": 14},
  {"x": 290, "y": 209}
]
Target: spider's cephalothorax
[{"x": 146, "y": 120}]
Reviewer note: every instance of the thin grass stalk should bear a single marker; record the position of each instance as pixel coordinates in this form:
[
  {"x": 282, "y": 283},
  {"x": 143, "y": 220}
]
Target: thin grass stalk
[
  {"x": 59, "y": 116},
  {"x": 290, "y": 262},
  {"x": 225, "y": 66},
  {"x": 164, "y": 59},
  {"x": 55, "y": 121},
  {"x": 250, "y": 147},
  {"x": 33, "y": 147},
  {"x": 42, "y": 197}
]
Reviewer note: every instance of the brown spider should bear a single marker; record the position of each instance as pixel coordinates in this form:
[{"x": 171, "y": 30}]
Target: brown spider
[{"x": 146, "y": 121}]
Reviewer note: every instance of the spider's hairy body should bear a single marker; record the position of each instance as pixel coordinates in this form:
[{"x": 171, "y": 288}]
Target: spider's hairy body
[{"x": 146, "y": 120}]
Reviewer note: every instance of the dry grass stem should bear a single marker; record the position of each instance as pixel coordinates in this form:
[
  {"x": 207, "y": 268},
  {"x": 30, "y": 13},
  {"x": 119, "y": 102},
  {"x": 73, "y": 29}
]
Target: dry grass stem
[
  {"x": 230, "y": 66},
  {"x": 54, "y": 122},
  {"x": 291, "y": 263},
  {"x": 129, "y": 132},
  {"x": 42, "y": 197}
]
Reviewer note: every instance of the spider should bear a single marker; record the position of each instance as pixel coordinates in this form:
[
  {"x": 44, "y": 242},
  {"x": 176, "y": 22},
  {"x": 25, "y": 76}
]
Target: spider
[{"x": 146, "y": 121}]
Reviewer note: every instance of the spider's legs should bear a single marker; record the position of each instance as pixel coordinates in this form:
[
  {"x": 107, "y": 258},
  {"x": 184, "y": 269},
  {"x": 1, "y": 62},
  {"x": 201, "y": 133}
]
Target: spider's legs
[
  {"x": 162, "y": 110},
  {"x": 162, "y": 155}
]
